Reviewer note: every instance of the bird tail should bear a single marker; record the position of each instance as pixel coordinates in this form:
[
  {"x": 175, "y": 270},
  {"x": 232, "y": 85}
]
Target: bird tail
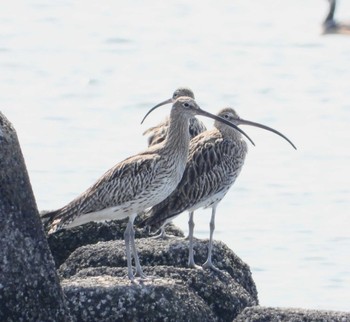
[
  {"x": 148, "y": 220},
  {"x": 47, "y": 218},
  {"x": 155, "y": 218}
]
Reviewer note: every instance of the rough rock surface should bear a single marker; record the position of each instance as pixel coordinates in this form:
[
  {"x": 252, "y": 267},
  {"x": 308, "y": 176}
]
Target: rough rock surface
[
  {"x": 219, "y": 291},
  {"x": 269, "y": 314},
  {"x": 107, "y": 298},
  {"x": 155, "y": 252},
  {"x": 29, "y": 285},
  {"x": 94, "y": 281},
  {"x": 223, "y": 294},
  {"x": 64, "y": 242}
]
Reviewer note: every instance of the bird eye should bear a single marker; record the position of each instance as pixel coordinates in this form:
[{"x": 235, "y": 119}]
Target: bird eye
[
  {"x": 186, "y": 105},
  {"x": 226, "y": 116}
]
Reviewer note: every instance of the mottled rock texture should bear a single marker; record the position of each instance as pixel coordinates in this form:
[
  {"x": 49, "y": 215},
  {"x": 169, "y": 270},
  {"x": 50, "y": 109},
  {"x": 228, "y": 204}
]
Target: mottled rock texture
[
  {"x": 107, "y": 298},
  {"x": 218, "y": 291},
  {"x": 64, "y": 242},
  {"x": 223, "y": 294},
  {"x": 29, "y": 286},
  {"x": 270, "y": 314},
  {"x": 94, "y": 281},
  {"x": 155, "y": 252}
]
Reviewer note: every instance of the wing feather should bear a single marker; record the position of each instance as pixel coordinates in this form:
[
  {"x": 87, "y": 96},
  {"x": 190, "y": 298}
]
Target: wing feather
[
  {"x": 213, "y": 165},
  {"x": 123, "y": 183}
]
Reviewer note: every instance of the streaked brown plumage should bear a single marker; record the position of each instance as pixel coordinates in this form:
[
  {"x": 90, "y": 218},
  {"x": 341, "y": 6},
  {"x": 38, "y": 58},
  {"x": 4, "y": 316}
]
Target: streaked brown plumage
[
  {"x": 214, "y": 162},
  {"x": 136, "y": 183},
  {"x": 157, "y": 134}
]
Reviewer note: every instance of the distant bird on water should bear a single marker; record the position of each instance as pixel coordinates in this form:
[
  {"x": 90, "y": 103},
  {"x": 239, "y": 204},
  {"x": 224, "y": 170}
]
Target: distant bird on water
[
  {"x": 215, "y": 159},
  {"x": 135, "y": 184},
  {"x": 158, "y": 133},
  {"x": 331, "y": 26}
]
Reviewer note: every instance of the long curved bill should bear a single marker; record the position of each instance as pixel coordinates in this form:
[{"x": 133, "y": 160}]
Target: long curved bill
[
  {"x": 245, "y": 122},
  {"x": 222, "y": 120},
  {"x": 168, "y": 101},
  {"x": 203, "y": 113}
]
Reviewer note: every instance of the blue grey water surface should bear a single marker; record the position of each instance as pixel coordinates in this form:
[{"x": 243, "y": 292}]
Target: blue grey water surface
[{"x": 76, "y": 78}]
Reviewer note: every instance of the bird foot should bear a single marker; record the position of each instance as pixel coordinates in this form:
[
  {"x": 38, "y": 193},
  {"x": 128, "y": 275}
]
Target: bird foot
[
  {"x": 137, "y": 280},
  {"x": 139, "y": 277},
  {"x": 188, "y": 238},
  {"x": 193, "y": 265},
  {"x": 162, "y": 236},
  {"x": 148, "y": 278},
  {"x": 130, "y": 277},
  {"x": 140, "y": 274},
  {"x": 210, "y": 265}
]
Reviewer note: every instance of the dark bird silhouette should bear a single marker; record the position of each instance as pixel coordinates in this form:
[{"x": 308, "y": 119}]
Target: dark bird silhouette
[{"x": 330, "y": 25}]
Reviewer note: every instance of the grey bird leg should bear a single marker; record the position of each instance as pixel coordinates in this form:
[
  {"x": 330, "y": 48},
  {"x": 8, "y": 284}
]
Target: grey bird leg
[
  {"x": 139, "y": 271},
  {"x": 209, "y": 263},
  {"x": 191, "y": 262},
  {"x": 162, "y": 234},
  {"x": 127, "y": 246}
]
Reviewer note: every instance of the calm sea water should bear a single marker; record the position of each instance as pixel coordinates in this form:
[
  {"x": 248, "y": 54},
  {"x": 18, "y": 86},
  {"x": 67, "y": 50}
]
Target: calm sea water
[{"x": 77, "y": 77}]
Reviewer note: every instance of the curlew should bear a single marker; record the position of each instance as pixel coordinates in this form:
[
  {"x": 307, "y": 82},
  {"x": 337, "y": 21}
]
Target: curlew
[
  {"x": 157, "y": 134},
  {"x": 135, "y": 184},
  {"x": 215, "y": 159},
  {"x": 330, "y": 25}
]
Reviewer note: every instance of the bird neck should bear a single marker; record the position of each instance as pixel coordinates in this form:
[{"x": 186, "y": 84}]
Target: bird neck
[
  {"x": 178, "y": 137},
  {"x": 228, "y": 132},
  {"x": 330, "y": 15}
]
